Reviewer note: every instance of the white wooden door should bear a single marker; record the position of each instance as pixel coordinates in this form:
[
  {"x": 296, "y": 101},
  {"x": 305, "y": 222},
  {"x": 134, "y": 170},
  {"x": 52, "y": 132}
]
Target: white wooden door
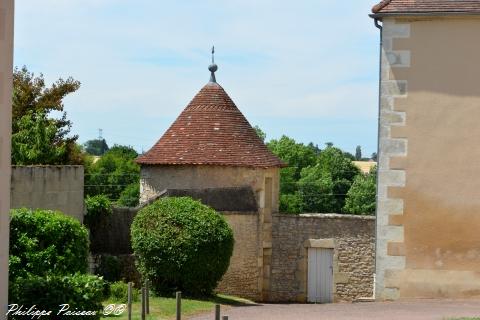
[{"x": 320, "y": 275}]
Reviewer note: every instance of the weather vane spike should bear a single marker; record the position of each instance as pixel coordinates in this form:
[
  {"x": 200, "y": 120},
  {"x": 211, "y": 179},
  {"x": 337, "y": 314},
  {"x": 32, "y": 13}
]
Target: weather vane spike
[{"x": 213, "y": 67}]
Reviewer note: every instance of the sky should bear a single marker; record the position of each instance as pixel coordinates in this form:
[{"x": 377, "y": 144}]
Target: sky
[{"x": 305, "y": 69}]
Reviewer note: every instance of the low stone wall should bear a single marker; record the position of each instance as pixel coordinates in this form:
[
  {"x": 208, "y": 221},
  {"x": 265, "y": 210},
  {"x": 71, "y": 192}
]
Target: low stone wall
[
  {"x": 242, "y": 277},
  {"x": 353, "y": 241},
  {"x": 48, "y": 187}
]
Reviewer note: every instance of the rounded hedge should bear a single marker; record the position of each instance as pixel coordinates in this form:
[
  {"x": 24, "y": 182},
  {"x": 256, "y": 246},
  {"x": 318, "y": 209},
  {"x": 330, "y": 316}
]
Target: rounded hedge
[
  {"x": 182, "y": 245},
  {"x": 46, "y": 242}
]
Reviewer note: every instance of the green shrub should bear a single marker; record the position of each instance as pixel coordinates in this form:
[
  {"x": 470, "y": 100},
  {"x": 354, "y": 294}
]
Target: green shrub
[
  {"x": 119, "y": 292},
  {"x": 181, "y": 244},
  {"x": 130, "y": 196},
  {"x": 46, "y": 242},
  {"x": 109, "y": 268},
  {"x": 291, "y": 203},
  {"x": 81, "y": 291},
  {"x": 361, "y": 196},
  {"x": 97, "y": 206}
]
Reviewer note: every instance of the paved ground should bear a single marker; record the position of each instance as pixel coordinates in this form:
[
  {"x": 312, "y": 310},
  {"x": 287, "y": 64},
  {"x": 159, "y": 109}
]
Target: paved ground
[{"x": 411, "y": 310}]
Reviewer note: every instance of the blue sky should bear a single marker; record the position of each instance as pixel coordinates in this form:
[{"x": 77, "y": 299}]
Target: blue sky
[{"x": 306, "y": 69}]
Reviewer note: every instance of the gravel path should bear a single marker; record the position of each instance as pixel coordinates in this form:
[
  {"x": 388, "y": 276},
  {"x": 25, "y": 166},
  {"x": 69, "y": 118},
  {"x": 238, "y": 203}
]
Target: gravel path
[{"x": 411, "y": 310}]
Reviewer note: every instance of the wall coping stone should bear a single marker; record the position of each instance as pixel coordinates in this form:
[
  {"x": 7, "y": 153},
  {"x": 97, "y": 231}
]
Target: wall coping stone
[
  {"x": 325, "y": 216},
  {"x": 48, "y": 166}
]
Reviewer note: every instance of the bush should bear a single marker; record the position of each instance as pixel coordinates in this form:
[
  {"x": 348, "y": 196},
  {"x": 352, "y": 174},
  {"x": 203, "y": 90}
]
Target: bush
[
  {"x": 98, "y": 205},
  {"x": 130, "y": 196},
  {"x": 361, "y": 196},
  {"x": 181, "y": 244},
  {"x": 46, "y": 242},
  {"x": 119, "y": 292},
  {"x": 81, "y": 291}
]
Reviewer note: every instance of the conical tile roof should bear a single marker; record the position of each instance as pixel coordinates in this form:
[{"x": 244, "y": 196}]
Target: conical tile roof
[{"x": 211, "y": 131}]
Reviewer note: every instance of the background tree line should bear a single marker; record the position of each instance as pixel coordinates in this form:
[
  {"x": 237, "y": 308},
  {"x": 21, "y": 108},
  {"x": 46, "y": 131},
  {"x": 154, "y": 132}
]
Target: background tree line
[{"x": 323, "y": 181}]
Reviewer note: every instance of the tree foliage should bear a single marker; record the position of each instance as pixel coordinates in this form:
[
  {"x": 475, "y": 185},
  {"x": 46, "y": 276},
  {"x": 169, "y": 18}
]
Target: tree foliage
[
  {"x": 44, "y": 241},
  {"x": 37, "y": 136},
  {"x": 361, "y": 196},
  {"x": 112, "y": 173},
  {"x": 297, "y": 156},
  {"x": 182, "y": 245},
  {"x": 358, "y": 153},
  {"x": 96, "y": 147},
  {"x": 260, "y": 133}
]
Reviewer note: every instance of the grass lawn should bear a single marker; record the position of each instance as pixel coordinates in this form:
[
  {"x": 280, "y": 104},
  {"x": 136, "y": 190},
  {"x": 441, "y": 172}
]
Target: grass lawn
[{"x": 164, "y": 308}]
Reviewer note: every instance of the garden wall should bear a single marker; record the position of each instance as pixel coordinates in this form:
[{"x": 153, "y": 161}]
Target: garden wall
[
  {"x": 48, "y": 187},
  {"x": 243, "y": 275},
  {"x": 353, "y": 241}
]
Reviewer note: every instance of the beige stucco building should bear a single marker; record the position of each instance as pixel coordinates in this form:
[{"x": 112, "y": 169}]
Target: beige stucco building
[
  {"x": 6, "y": 73},
  {"x": 428, "y": 209}
]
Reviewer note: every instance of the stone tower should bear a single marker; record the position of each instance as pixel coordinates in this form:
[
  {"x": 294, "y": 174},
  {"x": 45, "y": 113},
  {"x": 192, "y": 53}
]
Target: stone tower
[{"x": 211, "y": 146}]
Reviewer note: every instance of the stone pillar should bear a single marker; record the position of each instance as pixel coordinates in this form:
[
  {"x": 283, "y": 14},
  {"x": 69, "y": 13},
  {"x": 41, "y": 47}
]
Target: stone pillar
[{"x": 6, "y": 68}]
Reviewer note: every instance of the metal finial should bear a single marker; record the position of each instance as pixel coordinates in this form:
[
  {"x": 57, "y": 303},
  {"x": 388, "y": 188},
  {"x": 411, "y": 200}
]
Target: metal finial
[{"x": 213, "y": 67}]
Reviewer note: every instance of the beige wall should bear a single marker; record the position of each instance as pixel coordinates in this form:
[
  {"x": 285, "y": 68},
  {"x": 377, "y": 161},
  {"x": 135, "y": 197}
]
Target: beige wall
[
  {"x": 429, "y": 179},
  {"x": 48, "y": 187},
  {"x": 6, "y": 67},
  {"x": 241, "y": 278},
  {"x": 154, "y": 179}
]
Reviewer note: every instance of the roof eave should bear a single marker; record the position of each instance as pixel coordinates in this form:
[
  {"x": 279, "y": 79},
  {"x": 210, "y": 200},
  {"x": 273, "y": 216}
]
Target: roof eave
[
  {"x": 280, "y": 165},
  {"x": 381, "y": 15}
]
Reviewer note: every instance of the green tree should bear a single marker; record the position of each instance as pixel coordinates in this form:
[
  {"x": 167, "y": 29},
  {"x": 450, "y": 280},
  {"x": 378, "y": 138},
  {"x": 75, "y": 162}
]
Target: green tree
[
  {"x": 361, "y": 196},
  {"x": 297, "y": 156},
  {"x": 358, "y": 153},
  {"x": 324, "y": 186},
  {"x": 112, "y": 173},
  {"x": 316, "y": 190},
  {"x": 260, "y": 133},
  {"x": 37, "y": 136},
  {"x": 96, "y": 147}
]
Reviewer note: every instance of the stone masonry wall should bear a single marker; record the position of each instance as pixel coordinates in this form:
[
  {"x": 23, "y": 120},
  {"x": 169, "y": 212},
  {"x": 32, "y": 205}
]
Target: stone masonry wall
[
  {"x": 351, "y": 237},
  {"x": 48, "y": 187},
  {"x": 241, "y": 278}
]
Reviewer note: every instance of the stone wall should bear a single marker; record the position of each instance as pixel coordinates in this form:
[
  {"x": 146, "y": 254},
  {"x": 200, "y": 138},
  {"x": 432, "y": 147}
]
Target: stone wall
[
  {"x": 242, "y": 277},
  {"x": 48, "y": 187},
  {"x": 351, "y": 237}
]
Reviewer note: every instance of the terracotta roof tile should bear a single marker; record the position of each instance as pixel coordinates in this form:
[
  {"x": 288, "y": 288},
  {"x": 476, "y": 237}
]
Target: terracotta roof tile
[
  {"x": 211, "y": 131},
  {"x": 426, "y": 6}
]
